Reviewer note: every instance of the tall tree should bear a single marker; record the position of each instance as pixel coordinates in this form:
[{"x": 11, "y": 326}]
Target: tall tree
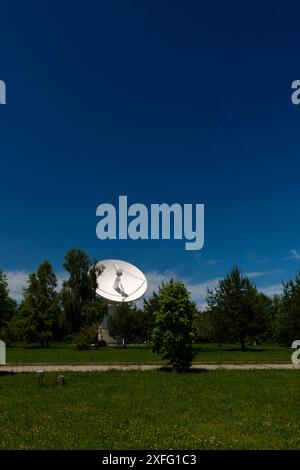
[
  {"x": 124, "y": 323},
  {"x": 78, "y": 294},
  {"x": 287, "y": 319},
  {"x": 234, "y": 308},
  {"x": 7, "y": 307},
  {"x": 40, "y": 307},
  {"x": 172, "y": 334},
  {"x": 147, "y": 319},
  {"x": 202, "y": 327},
  {"x": 263, "y": 319}
]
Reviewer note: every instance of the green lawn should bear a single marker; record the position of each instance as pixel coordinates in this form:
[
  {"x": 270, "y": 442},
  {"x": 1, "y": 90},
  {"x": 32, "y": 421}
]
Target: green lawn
[
  {"x": 64, "y": 353},
  {"x": 151, "y": 410}
]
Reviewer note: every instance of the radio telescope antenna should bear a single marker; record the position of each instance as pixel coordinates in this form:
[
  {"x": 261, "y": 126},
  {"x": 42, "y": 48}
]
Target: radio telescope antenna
[{"x": 119, "y": 282}]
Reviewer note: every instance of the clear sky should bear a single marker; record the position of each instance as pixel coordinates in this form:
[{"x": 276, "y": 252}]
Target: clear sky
[{"x": 163, "y": 101}]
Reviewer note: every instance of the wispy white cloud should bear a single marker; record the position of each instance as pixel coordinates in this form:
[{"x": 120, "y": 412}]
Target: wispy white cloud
[
  {"x": 17, "y": 281},
  {"x": 61, "y": 277},
  {"x": 156, "y": 278},
  {"x": 270, "y": 291},
  {"x": 199, "y": 258},
  {"x": 250, "y": 255},
  {"x": 294, "y": 255},
  {"x": 212, "y": 261},
  {"x": 198, "y": 290},
  {"x": 252, "y": 274},
  {"x": 263, "y": 261}
]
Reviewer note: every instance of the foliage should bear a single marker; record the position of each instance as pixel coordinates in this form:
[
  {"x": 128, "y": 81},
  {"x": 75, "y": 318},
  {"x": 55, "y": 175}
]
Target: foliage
[
  {"x": 263, "y": 319},
  {"x": 87, "y": 336},
  {"x": 145, "y": 324},
  {"x": 11, "y": 331},
  {"x": 78, "y": 293},
  {"x": 287, "y": 319},
  {"x": 172, "y": 333},
  {"x": 7, "y": 310},
  {"x": 202, "y": 327},
  {"x": 124, "y": 324},
  {"x": 40, "y": 309},
  {"x": 150, "y": 307},
  {"x": 237, "y": 311},
  {"x": 94, "y": 311}
]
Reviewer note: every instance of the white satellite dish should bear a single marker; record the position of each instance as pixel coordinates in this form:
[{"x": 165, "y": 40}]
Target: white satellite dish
[{"x": 120, "y": 281}]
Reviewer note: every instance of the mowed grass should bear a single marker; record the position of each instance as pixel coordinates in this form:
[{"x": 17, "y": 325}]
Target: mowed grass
[
  {"x": 64, "y": 353},
  {"x": 151, "y": 410}
]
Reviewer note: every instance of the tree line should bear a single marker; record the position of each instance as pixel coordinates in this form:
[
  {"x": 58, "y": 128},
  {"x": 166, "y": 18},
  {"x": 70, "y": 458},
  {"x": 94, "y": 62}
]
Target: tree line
[
  {"x": 46, "y": 313},
  {"x": 168, "y": 320}
]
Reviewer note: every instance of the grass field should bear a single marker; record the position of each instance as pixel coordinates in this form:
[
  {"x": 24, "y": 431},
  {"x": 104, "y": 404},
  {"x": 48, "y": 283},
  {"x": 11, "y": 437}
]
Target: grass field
[
  {"x": 64, "y": 353},
  {"x": 151, "y": 410}
]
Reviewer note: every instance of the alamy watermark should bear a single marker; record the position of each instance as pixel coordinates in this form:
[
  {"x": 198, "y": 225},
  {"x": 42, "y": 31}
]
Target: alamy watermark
[
  {"x": 295, "y": 96},
  {"x": 2, "y": 92},
  {"x": 160, "y": 221}
]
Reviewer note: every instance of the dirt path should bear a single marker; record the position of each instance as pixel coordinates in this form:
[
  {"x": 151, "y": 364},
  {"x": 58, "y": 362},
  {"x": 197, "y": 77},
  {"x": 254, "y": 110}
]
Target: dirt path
[{"x": 118, "y": 366}]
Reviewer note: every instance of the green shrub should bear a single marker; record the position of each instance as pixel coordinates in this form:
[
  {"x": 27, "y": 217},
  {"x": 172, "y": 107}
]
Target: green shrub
[{"x": 87, "y": 336}]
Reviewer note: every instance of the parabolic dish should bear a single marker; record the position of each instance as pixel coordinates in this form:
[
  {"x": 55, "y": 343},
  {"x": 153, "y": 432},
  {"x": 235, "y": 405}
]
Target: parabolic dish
[{"x": 120, "y": 281}]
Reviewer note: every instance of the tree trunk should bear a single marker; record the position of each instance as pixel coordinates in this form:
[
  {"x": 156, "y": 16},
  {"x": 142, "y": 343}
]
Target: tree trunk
[{"x": 242, "y": 344}]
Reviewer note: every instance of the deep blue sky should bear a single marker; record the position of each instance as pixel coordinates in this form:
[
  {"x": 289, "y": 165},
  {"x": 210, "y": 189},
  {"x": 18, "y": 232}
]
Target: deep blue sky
[{"x": 162, "y": 101}]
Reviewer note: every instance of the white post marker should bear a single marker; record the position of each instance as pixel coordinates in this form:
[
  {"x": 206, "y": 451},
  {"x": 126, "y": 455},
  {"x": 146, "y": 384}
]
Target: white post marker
[
  {"x": 2, "y": 352},
  {"x": 40, "y": 375}
]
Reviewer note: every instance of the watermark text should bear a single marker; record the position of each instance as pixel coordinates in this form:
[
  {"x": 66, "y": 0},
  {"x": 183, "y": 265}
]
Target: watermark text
[
  {"x": 296, "y": 354},
  {"x": 160, "y": 221},
  {"x": 2, "y": 92}
]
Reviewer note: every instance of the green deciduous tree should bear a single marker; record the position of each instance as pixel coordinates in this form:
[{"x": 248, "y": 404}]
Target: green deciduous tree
[
  {"x": 235, "y": 309},
  {"x": 8, "y": 309},
  {"x": 202, "y": 327},
  {"x": 150, "y": 307},
  {"x": 78, "y": 294},
  {"x": 124, "y": 324},
  {"x": 287, "y": 318},
  {"x": 87, "y": 336},
  {"x": 39, "y": 310},
  {"x": 263, "y": 319},
  {"x": 172, "y": 334}
]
